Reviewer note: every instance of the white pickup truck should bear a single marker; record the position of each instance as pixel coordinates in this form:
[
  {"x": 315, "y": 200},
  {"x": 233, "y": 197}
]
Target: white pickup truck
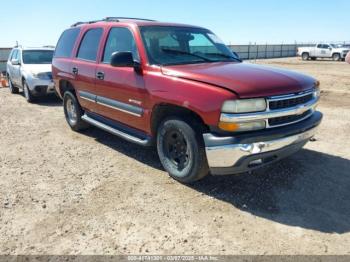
[{"x": 336, "y": 52}]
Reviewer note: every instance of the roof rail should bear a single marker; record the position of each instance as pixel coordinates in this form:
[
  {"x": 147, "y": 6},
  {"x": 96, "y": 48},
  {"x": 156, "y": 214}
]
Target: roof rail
[
  {"x": 116, "y": 19},
  {"x": 111, "y": 19}
]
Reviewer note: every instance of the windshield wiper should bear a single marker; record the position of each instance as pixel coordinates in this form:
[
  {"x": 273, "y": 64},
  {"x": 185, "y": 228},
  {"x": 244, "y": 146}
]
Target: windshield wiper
[
  {"x": 174, "y": 51},
  {"x": 225, "y": 56}
]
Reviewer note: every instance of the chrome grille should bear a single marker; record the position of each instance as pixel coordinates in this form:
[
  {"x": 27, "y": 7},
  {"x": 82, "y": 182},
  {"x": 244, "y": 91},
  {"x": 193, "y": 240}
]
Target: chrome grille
[{"x": 285, "y": 103}]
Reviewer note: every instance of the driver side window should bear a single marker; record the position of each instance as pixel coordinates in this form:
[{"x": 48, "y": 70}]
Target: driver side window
[{"x": 120, "y": 39}]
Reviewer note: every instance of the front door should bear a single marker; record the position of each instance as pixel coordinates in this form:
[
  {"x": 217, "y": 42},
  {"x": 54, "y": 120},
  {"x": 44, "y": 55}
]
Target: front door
[{"x": 120, "y": 90}]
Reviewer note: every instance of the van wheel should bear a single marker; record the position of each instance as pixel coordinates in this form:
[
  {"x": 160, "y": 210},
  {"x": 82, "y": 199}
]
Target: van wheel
[
  {"x": 336, "y": 57},
  {"x": 13, "y": 89},
  {"x": 27, "y": 94},
  {"x": 181, "y": 151},
  {"x": 73, "y": 112},
  {"x": 305, "y": 56}
]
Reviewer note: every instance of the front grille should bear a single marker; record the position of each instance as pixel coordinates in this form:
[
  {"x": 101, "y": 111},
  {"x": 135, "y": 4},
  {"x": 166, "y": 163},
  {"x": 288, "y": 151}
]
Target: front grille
[
  {"x": 287, "y": 119},
  {"x": 286, "y": 103}
]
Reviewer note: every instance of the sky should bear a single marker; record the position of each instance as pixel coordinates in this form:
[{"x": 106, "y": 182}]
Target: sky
[{"x": 36, "y": 23}]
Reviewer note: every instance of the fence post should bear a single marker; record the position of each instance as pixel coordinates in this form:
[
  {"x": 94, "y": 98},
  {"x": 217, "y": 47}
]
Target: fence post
[
  {"x": 281, "y": 50},
  {"x": 249, "y": 51},
  {"x": 257, "y": 52},
  {"x": 266, "y": 51}
]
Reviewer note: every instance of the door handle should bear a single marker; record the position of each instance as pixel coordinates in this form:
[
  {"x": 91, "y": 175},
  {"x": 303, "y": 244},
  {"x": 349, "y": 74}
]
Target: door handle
[
  {"x": 75, "y": 70},
  {"x": 100, "y": 75}
]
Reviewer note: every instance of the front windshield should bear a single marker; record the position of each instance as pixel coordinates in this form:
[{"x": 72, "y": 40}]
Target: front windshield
[
  {"x": 37, "y": 56},
  {"x": 169, "y": 45}
]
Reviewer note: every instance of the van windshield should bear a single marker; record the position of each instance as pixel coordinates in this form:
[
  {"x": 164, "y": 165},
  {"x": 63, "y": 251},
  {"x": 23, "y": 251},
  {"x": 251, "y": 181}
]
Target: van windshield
[
  {"x": 171, "y": 45},
  {"x": 37, "y": 56}
]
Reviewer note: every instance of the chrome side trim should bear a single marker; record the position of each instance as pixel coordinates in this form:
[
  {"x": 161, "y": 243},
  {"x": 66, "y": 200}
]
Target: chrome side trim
[
  {"x": 87, "y": 96},
  {"x": 116, "y": 132},
  {"x": 113, "y": 104},
  {"x": 229, "y": 155},
  {"x": 297, "y": 110},
  {"x": 118, "y": 108}
]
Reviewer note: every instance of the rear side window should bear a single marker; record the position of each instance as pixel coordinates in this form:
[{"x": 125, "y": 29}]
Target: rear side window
[
  {"x": 89, "y": 45},
  {"x": 120, "y": 39},
  {"x": 66, "y": 43}
]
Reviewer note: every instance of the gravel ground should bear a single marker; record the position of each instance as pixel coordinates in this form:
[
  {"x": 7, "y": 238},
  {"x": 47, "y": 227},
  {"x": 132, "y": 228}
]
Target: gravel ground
[{"x": 67, "y": 193}]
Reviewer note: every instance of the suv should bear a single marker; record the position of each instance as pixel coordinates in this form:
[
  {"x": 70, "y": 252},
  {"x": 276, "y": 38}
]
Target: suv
[
  {"x": 29, "y": 69},
  {"x": 179, "y": 87}
]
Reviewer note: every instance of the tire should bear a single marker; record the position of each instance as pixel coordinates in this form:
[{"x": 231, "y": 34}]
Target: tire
[
  {"x": 13, "y": 89},
  {"x": 27, "y": 94},
  {"x": 181, "y": 151},
  {"x": 305, "y": 56},
  {"x": 336, "y": 57},
  {"x": 73, "y": 112},
  {"x": 313, "y": 58}
]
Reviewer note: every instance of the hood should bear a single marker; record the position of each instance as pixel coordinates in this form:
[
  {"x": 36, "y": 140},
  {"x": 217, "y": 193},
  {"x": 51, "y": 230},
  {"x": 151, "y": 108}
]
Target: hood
[
  {"x": 37, "y": 68},
  {"x": 341, "y": 49},
  {"x": 245, "y": 79}
]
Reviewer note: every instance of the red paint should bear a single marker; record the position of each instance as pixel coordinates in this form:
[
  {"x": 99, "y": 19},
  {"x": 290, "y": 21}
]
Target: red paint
[{"x": 202, "y": 88}]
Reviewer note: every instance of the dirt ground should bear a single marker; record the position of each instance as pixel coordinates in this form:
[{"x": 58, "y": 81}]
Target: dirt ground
[{"x": 67, "y": 193}]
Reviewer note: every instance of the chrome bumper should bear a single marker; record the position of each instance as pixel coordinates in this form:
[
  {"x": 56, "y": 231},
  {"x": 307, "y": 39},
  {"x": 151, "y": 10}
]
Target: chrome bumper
[{"x": 226, "y": 156}]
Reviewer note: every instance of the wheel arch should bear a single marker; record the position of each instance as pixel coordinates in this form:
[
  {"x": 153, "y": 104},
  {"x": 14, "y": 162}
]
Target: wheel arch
[
  {"x": 64, "y": 86},
  {"x": 165, "y": 110}
]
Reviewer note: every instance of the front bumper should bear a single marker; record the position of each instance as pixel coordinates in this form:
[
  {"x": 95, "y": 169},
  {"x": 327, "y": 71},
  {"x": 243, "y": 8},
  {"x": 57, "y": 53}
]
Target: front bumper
[
  {"x": 243, "y": 153},
  {"x": 40, "y": 86}
]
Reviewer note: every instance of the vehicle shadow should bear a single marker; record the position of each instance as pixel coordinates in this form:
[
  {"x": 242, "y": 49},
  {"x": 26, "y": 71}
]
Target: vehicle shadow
[
  {"x": 49, "y": 100},
  {"x": 310, "y": 189}
]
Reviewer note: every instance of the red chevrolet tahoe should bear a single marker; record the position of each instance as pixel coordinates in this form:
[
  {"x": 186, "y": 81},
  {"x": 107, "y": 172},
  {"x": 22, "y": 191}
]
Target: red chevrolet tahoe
[{"x": 180, "y": 88}]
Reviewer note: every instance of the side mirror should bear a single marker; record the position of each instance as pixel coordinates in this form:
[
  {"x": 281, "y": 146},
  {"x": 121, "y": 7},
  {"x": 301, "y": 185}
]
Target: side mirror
[
  {"x": 15, "y": 62},
  {"x": 125, "y": 59},
  {"x": 122, "y": 59}
]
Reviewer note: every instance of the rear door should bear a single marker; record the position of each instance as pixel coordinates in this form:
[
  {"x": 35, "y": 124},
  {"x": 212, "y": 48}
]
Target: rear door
[
  {"x": 83, "y": 68},
  {"x": 120, "y": 90}
]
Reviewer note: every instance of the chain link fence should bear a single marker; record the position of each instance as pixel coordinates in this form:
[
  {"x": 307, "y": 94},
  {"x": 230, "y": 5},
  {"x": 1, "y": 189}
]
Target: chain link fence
[{"x": 265, "y": 51}]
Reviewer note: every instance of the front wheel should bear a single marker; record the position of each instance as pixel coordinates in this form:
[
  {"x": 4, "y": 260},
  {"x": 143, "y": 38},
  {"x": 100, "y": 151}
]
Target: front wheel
[
  {"x": 73, "y": 112},
  {"x": 27, "y": 94},
  {"x": 13, "y": 89},
  {"x": 181, "y": 151}
]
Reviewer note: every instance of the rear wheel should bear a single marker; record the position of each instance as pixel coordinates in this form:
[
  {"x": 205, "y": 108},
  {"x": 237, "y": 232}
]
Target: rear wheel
[
  {"x": 336, "y": 57},
  {"x": 13, "y": 89},
  {"x": 73, "y": 112},
  {"x": 181, "y": 151},
  {"x": 305, "y": 56}
]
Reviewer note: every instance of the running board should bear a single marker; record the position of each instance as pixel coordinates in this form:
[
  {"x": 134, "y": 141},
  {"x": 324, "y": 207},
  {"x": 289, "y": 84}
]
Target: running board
[{"x": 116, "y": 132}]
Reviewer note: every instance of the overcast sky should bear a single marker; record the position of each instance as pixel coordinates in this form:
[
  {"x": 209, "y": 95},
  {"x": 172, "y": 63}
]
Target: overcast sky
[{"x": 37, "y": 23}]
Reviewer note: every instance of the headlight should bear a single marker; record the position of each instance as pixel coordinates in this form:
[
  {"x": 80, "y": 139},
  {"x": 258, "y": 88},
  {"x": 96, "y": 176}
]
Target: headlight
[
  {"x": 40, "y": 75},
  {"x": 244, "y": 106},
  {"x": 317, "y": 92}
]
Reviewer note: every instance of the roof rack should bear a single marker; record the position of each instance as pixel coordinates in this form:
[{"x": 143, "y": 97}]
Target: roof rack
[{"x": 112, "y": 19}]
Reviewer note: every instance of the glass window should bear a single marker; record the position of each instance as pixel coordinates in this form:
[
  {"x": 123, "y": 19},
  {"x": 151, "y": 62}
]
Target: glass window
[
  {"x": 66, "y": 43},
  {"x": 168, "y": 45},
  {"x": 13, "y": 54},
  {"x": 120, "y": 39},
  {"x": 89, "y": 45},
  {"x": 319, "y": 46},
  {"x": 37, "y": 56}
]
